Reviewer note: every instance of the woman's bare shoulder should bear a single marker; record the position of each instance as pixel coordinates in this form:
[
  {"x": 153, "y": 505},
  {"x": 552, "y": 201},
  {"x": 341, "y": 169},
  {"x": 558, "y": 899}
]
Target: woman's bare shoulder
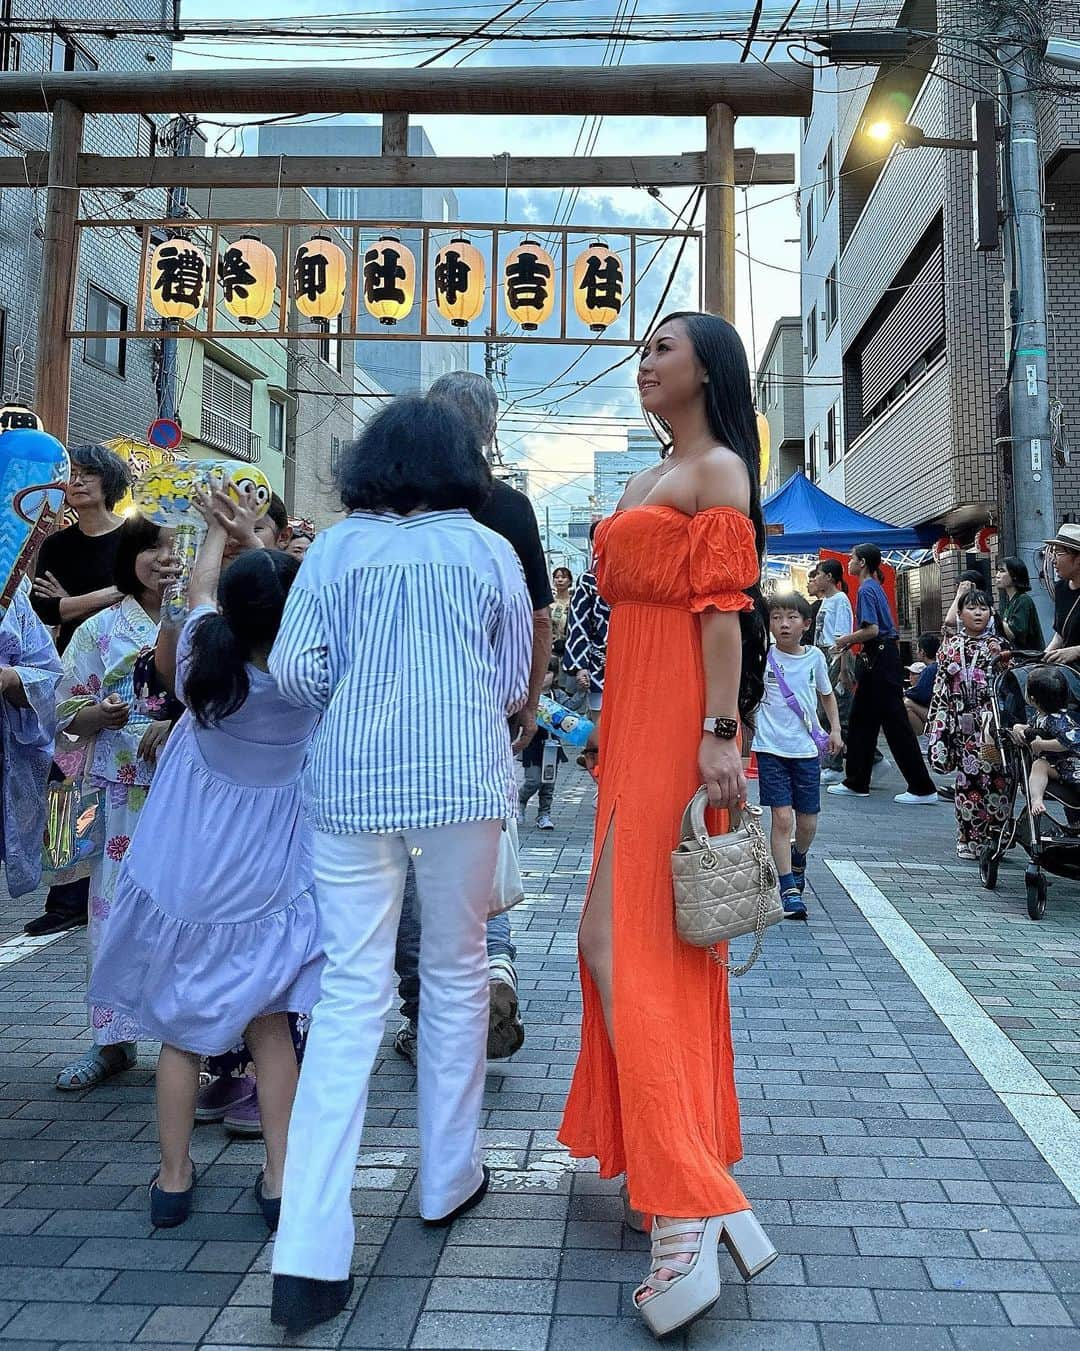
[
  {"x": 721, "y": 479},
  {"x": 639, "y": 487}
]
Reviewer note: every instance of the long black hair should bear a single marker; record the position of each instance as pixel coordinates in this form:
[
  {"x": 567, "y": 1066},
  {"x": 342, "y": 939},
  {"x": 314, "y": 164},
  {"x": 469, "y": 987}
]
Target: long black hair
[
  {"x": 870, "y": 557},
  {"x": 251, "y": 595},
  {"x": 729, "y": 408}
]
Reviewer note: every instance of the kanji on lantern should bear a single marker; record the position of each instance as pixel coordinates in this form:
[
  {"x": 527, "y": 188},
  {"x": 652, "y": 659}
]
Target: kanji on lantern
[
  {"x": 311, "y": 269},
  {"x": 452, "y": 276},
  {"x": 598, "y": 287},
  {"x": 235, "y": 275},
  {"x": 178, "y": 279},
  {"x": 319, "y": 274},
  {"x": 459, "y": 282},
  {"x": 389, "y": 280},
  {"x": 528, "y": 280},
  {"x": 529, "y": 285}
]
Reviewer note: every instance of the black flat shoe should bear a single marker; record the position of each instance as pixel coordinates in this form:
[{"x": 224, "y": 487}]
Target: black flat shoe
[
  {"x": 269, "y": 1205},
  {"x": 168, "y": 1209},
  {"x": 41, "y": 925},
  {"x": 300, "y": 1303},
  {"x": 465, "y": 1207}
]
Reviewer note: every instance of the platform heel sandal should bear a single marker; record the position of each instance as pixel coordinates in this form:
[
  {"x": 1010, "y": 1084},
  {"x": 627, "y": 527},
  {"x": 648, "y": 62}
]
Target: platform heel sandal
[
  {"x": 633, "y": 1219},
  {"x": 750, "y": 1247},
  {"x": 670, "y": 1303}
]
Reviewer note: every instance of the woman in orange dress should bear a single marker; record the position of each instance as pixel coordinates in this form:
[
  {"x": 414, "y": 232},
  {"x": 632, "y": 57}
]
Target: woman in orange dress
[{"x": 653, "y": 1094}]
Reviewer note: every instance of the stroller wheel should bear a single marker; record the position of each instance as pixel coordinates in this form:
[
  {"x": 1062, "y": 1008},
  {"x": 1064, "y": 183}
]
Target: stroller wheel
[
  {"x": 988, "y": 867},
  {"x": 1036, "y": 893}
]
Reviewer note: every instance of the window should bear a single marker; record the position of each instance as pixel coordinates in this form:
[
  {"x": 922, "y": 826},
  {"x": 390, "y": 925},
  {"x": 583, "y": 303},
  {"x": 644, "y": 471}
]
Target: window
[
  {"x": 105, "y": 315},
  {"x": 67, "y": 54},
  {"x": 810, "y": 222},
  {"x": 828, "y": 174},
  {"x": 335, "y": 453},
  {"x": 832, "y": 298},
  {"x": 832, "y": 440},
  {"x": 226, "y": 413},
  {"x": 815, "y": 454},
  {"x": 10, "y": 46},
  {"x": 330, "y": 347},
  {"x": 277, "y": 425},
  {"x": 145, "y": 136},
  {"x": 811, "y": 337}
]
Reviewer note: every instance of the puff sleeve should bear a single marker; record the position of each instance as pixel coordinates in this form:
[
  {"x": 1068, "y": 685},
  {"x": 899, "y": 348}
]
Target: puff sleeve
[{"x": 723, "y": 560}]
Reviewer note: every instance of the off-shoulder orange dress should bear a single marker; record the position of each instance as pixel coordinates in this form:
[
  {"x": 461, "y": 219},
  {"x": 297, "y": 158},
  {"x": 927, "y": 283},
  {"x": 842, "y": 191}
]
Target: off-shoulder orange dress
[{"x": 660, "y": 1106}]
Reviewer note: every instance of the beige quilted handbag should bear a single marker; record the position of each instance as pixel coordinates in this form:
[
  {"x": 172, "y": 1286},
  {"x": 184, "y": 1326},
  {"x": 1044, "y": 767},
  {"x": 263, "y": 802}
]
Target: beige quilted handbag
[{"x": 725, "y": 885}]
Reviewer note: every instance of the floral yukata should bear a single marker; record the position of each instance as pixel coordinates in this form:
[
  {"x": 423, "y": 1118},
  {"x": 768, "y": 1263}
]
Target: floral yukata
[
  {"x": 27, "y": 736},
  {"x": 99, "y": 661},
  {"x": 954, "y": 732}
]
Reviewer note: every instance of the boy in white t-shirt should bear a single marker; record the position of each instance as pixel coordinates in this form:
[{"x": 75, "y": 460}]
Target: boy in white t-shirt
[{"x": 789, "y": 767}]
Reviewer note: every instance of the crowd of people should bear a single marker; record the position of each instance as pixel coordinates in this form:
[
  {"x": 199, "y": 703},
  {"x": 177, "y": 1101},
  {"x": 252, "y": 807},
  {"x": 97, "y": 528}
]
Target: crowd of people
[{"x": 307, "y": 798}]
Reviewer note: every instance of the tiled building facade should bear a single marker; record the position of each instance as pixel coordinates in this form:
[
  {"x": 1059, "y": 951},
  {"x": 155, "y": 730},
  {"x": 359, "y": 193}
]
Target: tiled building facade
[
  {"x": 779, "y": 397},
  {"x": 915, "y": 353},
  {"x": 113, "y": 383}
]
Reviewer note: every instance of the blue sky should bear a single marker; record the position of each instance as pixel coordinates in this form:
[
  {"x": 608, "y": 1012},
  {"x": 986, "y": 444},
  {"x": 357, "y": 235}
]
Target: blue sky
[{"x": 557, "y": 439}]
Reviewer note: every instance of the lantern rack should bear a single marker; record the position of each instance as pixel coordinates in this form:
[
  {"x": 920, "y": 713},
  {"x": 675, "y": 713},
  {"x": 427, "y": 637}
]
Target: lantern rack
[{"x": 348, "y": 234}]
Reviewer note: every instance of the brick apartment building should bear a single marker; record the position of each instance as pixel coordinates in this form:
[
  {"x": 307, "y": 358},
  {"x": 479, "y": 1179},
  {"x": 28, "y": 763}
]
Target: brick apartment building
[
  {"x": 903, "y": 329},
  {"x": 113, "y": 382}
]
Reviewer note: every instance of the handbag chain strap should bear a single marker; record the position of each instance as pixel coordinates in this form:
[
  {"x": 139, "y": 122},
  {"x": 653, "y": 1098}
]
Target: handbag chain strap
[{"x": 760, "y": 851}]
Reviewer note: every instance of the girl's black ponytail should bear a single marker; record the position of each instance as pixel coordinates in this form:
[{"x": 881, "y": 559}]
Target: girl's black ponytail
[
  {"x": 251, "y": 594},
  {"x": 216, "y": 680}
]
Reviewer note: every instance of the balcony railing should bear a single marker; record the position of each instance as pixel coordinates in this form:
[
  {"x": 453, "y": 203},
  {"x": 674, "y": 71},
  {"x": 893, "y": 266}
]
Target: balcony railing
[{"x": 232, "y": 437}]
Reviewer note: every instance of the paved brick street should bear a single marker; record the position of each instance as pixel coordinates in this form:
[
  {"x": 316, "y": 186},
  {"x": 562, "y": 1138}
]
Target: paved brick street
[{"x": 910, "y": 1207}]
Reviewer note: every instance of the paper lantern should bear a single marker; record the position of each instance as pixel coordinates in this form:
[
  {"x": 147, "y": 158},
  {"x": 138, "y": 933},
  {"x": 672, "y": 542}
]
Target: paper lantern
[
  {"x": 984, "y": 538},
  {"x": 943, "y": 546},
  {"x": 319, "y": 271},
  {"x": 765, "y": 445},
  {"x": 598, "y": 286},
  {"x": 247, "y": 274},
  {"x": 459, "y": 282},
  {"x": 529, "y": 285},
  {"x": 178, "y": 275},
  {"x": 389, "y": 280},
  {"x": 15, "y": 416}
]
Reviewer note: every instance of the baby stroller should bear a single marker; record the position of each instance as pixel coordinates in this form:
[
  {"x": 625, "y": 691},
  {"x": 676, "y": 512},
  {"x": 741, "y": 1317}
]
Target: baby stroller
[{"x": 1051, "y": 841}]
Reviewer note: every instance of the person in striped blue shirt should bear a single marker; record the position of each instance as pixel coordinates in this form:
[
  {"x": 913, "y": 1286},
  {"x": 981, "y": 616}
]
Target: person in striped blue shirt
[{"x": 410, "y": 628}]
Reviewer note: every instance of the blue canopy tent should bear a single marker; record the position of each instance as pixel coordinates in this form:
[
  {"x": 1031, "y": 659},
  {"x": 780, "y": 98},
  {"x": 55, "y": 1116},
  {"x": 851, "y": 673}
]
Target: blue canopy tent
[{"x": 801, "y": 519}]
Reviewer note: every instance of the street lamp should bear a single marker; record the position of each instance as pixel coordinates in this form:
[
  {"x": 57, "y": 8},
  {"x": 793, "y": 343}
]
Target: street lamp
[{"x": 909, "y": 137}]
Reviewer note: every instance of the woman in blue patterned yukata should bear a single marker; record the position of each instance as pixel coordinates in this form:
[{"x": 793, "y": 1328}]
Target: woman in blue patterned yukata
[
  {"x": 29, "y": 670},
  {"x": 96, "y": 701}
]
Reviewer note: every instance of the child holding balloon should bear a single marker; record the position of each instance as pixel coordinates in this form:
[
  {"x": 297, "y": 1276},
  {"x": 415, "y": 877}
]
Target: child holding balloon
[{"x": 210, "y": 943}]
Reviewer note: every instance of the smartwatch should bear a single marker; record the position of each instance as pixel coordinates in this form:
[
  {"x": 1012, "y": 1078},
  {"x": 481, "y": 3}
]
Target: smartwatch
[{"x": 726, "y": 729}]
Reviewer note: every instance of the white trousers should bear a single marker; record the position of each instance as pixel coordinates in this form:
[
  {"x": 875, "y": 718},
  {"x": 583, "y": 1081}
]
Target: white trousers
[{"x": 359, "y": 884}]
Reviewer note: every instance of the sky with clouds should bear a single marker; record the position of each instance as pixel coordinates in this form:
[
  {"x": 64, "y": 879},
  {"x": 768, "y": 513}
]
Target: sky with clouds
[{"x": 555, "y": 431}]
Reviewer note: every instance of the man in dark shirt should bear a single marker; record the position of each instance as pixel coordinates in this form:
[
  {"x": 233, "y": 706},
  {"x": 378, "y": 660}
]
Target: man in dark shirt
[
  {"x": 1064, "y": 646},
  {"x": 73, "y": 580}
]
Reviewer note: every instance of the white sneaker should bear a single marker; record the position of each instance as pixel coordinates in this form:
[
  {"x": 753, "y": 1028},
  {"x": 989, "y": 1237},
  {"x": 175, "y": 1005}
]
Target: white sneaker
[
  {"x": 842, "y": 790},
  {"x": 832, "y": 776},
  {"x": 915, "y": 799},
  {"x": 544, "y": 822}
]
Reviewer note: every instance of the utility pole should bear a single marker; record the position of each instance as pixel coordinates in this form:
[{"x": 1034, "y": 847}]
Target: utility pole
[
  {"x": 1032, "y": 505},
  {"x": 176, "y": 208},
  {"x": 495, "y": 354}
]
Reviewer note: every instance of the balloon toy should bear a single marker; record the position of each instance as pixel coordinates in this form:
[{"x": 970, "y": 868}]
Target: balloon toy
[{"x": 34, "y": 470}]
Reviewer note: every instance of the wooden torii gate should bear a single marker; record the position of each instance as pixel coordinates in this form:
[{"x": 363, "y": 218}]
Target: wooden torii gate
[{"x": 718, "y": 93}]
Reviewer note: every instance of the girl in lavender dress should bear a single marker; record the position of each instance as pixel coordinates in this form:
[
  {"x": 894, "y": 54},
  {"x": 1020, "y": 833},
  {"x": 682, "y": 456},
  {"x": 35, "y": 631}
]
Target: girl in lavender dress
[{"x": 213, "y": 934}]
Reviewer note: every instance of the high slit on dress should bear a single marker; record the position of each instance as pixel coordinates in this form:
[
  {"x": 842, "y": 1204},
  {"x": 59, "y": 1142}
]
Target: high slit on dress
[{"x": 661, "y": 1107}]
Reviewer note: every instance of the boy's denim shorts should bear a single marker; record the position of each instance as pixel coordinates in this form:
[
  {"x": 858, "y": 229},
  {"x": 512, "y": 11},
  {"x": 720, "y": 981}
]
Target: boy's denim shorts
[{"x": 784, "y": 781}]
